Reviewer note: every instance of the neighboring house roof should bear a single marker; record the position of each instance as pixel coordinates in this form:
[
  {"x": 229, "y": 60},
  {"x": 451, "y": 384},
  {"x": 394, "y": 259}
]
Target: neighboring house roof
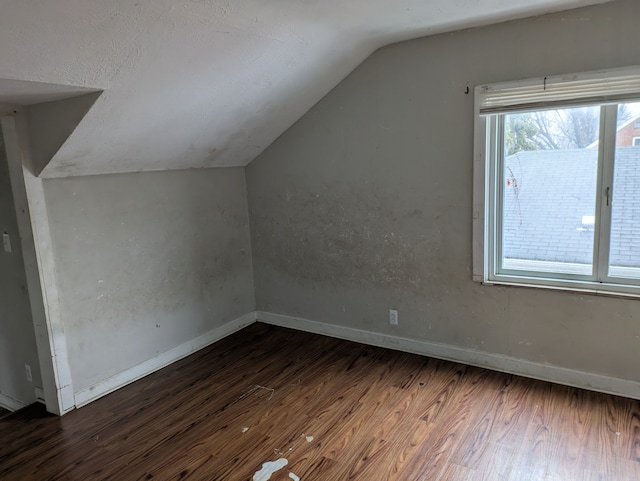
[
  {"x": 627, "y": 123},
  {"x": 620, "y": 128},
  {"x": 549, "y": 196}
]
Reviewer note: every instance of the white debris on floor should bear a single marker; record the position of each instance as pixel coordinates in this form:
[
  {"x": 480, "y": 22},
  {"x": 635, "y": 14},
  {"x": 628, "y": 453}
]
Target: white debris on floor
[{"x": 269, "y": 468}]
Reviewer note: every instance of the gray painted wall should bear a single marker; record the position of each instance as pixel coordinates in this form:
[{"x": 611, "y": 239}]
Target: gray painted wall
[
  {"x": 147, "y": 262},
  {"x": 365, "y": 204},
  {"x": 17, "y": 336}
]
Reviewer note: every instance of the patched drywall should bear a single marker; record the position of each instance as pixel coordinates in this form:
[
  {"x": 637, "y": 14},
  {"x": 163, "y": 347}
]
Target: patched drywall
[
  {"x": 147, "y": 262},
  {"x": 17, "y": 336},
  {"x": 365, "y": 204},
  {"x": 208, "y": 83}
]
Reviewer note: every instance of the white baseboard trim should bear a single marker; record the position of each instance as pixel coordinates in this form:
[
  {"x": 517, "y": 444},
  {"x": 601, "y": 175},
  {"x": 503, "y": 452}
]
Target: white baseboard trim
[
  {"x": 497, "y": 362},
  {"x": 130, "y": 375},
  {"x": 10, "y": 403}
]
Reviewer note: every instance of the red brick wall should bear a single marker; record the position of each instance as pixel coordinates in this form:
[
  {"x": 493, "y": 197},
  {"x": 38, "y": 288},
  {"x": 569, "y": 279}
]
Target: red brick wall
[{"x": 626, "y": 134}]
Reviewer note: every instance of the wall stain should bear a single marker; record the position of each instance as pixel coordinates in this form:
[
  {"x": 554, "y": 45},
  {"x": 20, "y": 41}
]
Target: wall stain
[{"x": 345, "y": 237}]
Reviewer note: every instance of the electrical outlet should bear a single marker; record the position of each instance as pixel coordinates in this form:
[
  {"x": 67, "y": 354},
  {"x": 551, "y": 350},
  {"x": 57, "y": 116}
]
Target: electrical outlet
[
  {"x": 393, "y": 317},
  {"x": 27, "y": 370}
]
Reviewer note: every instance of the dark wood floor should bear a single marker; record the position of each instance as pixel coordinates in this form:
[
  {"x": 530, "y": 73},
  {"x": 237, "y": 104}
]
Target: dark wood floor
[{"x": 335, "y": 411}]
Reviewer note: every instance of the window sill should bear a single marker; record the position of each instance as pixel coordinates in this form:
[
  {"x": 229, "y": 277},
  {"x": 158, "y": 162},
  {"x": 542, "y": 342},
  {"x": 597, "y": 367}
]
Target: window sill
[{"x": 585, "y": 287}]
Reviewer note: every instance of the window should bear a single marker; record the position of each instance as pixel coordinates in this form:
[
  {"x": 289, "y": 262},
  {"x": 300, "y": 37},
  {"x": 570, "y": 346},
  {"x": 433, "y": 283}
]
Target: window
[
  {"x": 555, "y": 197},
  {"x": 636, "y": 141}
]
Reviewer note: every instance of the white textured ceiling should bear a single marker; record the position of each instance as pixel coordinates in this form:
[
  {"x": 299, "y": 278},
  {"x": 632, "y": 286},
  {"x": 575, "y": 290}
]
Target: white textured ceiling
[{"x": 205, "y": 83}]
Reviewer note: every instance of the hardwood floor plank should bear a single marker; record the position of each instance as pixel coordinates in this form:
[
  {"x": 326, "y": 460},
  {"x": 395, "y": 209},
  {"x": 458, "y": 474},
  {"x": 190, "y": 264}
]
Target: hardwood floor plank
[
  {"x": 630, "y": 427},
  {"x": 498, "y": 463},
  {"x": 535, "y": 453},
  {"x": 335, "y": 410},
  {"x": 459, "y": 473}
]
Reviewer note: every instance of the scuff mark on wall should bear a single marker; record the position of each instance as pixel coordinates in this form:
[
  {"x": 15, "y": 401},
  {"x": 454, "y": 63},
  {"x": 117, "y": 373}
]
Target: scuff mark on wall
[{"x": 345, "y": 241}]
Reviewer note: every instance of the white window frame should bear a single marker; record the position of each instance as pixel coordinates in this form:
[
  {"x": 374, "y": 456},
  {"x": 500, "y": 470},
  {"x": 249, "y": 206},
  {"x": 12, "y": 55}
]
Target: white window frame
[
  {"x": 604, "y": 88},
  {"x": 635, "y": 142}
]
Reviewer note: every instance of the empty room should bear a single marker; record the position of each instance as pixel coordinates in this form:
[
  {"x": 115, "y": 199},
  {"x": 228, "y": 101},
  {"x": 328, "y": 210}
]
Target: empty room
[{"x": 287, "y": 240}]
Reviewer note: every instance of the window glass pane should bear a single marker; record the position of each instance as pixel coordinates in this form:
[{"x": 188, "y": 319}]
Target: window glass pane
[
  {"x": 624, "y": 249},
  {"x": 549, "y": 178}
]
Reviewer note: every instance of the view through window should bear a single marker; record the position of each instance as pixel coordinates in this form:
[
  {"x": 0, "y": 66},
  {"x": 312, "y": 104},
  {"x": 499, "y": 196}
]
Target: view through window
[{"x": 567, "y": 189}]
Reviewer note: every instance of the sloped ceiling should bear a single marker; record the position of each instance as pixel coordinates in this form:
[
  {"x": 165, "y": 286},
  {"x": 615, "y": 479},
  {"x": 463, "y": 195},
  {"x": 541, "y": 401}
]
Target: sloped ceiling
[{"x": 204, "y": 83}]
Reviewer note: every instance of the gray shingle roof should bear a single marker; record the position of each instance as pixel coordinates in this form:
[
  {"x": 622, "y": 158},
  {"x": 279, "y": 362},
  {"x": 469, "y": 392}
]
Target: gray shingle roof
[{"x": 546, "y": 195}]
